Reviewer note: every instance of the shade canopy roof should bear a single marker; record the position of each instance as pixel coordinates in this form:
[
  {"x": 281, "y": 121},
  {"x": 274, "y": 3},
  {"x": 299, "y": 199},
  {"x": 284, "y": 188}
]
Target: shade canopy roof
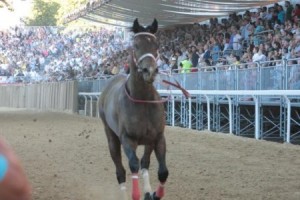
[{"x": 168, "y": 12}]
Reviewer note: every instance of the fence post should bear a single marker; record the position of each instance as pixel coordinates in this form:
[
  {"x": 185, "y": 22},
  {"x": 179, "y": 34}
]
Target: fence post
[
  {"x": 208, "y": 112},
  {"x": 288, "y": 125},
  {"x": 257, "y": 118}
]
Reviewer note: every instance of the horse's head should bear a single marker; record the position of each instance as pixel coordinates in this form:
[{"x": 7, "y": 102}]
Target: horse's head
[{"x": 145, "y": 50}]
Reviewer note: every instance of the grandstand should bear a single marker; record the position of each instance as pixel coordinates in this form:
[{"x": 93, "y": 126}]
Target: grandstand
[
  {"x": 249, "y": 59},
  {"x": 169, "y": 13}
]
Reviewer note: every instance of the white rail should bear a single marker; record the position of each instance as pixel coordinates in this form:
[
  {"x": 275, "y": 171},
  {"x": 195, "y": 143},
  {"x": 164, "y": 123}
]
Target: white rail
[{"x": 228, "y": 93}]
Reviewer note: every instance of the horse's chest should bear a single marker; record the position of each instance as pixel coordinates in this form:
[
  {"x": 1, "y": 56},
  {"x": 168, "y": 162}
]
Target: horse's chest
[
  {"x": 144, "y": 114},
  {"x": 145, "y": 124}
]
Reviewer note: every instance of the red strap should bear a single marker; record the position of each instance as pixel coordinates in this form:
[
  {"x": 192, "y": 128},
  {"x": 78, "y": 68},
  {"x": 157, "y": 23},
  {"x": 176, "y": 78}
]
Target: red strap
[
  {"x": 177, "y": 85},
  {"x": 135, "y": 187},
  {"x": 145, "y": 101}
]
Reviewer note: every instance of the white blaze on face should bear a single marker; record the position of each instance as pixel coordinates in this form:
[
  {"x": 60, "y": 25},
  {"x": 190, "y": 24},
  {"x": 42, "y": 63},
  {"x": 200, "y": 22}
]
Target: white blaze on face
[{"x": 152, "y": 70}]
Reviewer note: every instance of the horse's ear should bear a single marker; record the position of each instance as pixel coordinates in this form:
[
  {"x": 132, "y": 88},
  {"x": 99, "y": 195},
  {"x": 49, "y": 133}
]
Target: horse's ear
[
  {"x": 153, "y": 28},
  {"x": 136, "y": 26}
]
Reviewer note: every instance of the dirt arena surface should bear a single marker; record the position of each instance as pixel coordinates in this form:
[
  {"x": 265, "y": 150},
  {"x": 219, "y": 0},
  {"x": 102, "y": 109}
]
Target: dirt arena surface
[{"x": 66, "y": 158}]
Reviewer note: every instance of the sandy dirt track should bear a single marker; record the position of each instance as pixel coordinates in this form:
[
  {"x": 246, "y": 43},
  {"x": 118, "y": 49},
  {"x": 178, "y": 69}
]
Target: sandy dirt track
[{"x": 66, "y": 158}]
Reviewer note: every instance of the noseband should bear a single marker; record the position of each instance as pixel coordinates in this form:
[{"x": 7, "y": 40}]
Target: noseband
[{"x": 139, "y": 60}]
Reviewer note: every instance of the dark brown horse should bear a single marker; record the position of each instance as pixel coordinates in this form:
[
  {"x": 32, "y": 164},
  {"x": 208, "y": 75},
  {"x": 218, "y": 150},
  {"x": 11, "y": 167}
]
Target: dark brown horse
[{"x": 133, "y": 114}]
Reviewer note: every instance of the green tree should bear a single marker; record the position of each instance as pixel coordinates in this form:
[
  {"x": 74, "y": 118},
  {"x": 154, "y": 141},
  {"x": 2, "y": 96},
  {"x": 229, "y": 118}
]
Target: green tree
[
  {"x": 69, "y": 6},
  {"x": 52, "y": 12},
  {"x": 44, "y": 13},
  {"x": 6, "y": 3}
]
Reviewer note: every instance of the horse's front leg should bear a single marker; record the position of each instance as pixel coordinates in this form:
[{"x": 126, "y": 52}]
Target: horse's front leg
[
  {"x": 129, "y": 147},
  {"x": 145, "y": 162},
  {"x": 160, "y": 152},
  {"x": 115, "y": 152}
]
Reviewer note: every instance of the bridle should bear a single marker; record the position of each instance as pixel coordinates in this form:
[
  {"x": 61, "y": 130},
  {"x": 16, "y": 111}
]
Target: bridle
[
  {"x": 137, "y": 62},
  {"x": 142, "y": 57}
]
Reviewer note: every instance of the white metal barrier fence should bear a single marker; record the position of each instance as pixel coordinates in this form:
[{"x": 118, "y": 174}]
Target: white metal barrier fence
[
  {"x": 58, "y": 96},
  {"x": 230, "y": 95}
]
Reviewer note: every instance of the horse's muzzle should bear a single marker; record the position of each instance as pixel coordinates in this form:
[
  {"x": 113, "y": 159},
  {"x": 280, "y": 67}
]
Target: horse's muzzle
[{"x": 149, "y": 74}]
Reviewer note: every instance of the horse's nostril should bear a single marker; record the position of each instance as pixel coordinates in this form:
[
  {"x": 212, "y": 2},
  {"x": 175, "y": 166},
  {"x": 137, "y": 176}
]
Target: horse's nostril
[{"x": 145, "y": 70}]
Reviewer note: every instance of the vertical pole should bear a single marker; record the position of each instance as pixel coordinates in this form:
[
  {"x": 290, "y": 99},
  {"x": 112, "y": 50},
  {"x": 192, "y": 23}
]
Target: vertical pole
[
  {"x": 173, "y": 110},
  {"x": 208, "y": 112},
  {"x": 190, "y": 112},
  {"x": 91, "y": 105},
  {"x": 97, "y": 106},
  {"x": 85, "y": 105},
  {"x": 230, "y": 113},
  {"x": 257, "y": 124},
  {"x": 288, "y": 124}
]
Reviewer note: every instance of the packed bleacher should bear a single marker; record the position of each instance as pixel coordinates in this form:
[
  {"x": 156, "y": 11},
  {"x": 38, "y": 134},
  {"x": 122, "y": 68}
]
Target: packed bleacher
[
  {"x": 250, "y": 37},
  {"x": 44, "y": 54},
  {"x": 38, "y": 54}
]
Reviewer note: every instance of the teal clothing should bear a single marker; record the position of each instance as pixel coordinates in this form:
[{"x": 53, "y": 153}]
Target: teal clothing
[
  {"x": 257, "y": 40},
  {"x": 3, "y": 166},
  {"x": 281, "y": 16}
]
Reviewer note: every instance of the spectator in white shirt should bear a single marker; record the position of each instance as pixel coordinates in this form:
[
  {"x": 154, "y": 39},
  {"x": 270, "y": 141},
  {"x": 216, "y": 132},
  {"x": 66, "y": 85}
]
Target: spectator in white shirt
[{"x": 258, "y": 56}]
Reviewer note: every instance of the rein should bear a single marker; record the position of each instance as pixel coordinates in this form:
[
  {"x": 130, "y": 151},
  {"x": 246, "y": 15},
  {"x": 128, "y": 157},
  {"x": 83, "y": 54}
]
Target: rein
[{"x": 177, "y": 85}]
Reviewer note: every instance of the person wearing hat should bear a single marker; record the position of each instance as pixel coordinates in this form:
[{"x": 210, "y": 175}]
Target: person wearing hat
[{"x": 173, "y": 65}]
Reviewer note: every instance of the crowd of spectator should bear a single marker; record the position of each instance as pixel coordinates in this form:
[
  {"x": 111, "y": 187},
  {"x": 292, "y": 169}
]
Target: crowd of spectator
[
  {"x": 53, "y": 54},
  {"x": 35, "y": 54},
  {"x": 270, "y": 33}
]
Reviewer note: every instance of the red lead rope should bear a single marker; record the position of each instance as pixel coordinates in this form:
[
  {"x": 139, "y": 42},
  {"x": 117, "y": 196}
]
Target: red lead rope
[
  {"x": 144, "y": 101},
  {"x": 177, "y": 85}
]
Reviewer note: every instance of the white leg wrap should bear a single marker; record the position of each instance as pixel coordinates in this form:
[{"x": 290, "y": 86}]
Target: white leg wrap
[
  {"x": 122, "y": 186},
  {"x": 147, "y": 186},
  {"x": 123, "y": 191}
]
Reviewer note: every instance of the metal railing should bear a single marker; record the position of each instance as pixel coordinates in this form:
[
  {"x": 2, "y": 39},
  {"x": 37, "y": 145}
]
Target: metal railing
[
  {"x": 270, "y": 75},
  {"x": 260, "y": 100}
]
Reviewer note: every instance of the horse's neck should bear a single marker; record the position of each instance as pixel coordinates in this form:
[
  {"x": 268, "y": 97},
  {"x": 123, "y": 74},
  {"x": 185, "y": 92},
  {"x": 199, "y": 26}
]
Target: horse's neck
[{"x": 138, "y": 89}]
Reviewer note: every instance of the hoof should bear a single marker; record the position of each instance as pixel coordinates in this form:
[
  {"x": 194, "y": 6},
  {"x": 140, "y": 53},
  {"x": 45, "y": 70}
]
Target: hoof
[
  {"x": 154, "y": 197},
  {"x": 148, "y": 196}
]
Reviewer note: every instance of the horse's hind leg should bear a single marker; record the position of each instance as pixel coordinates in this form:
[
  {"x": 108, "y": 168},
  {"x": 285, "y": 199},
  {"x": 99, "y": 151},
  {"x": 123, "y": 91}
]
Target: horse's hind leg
[
  {"x": 115, "y": 152},
  {"x": 160, "y": 152},
  {"x": 145, "y": 162}
]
